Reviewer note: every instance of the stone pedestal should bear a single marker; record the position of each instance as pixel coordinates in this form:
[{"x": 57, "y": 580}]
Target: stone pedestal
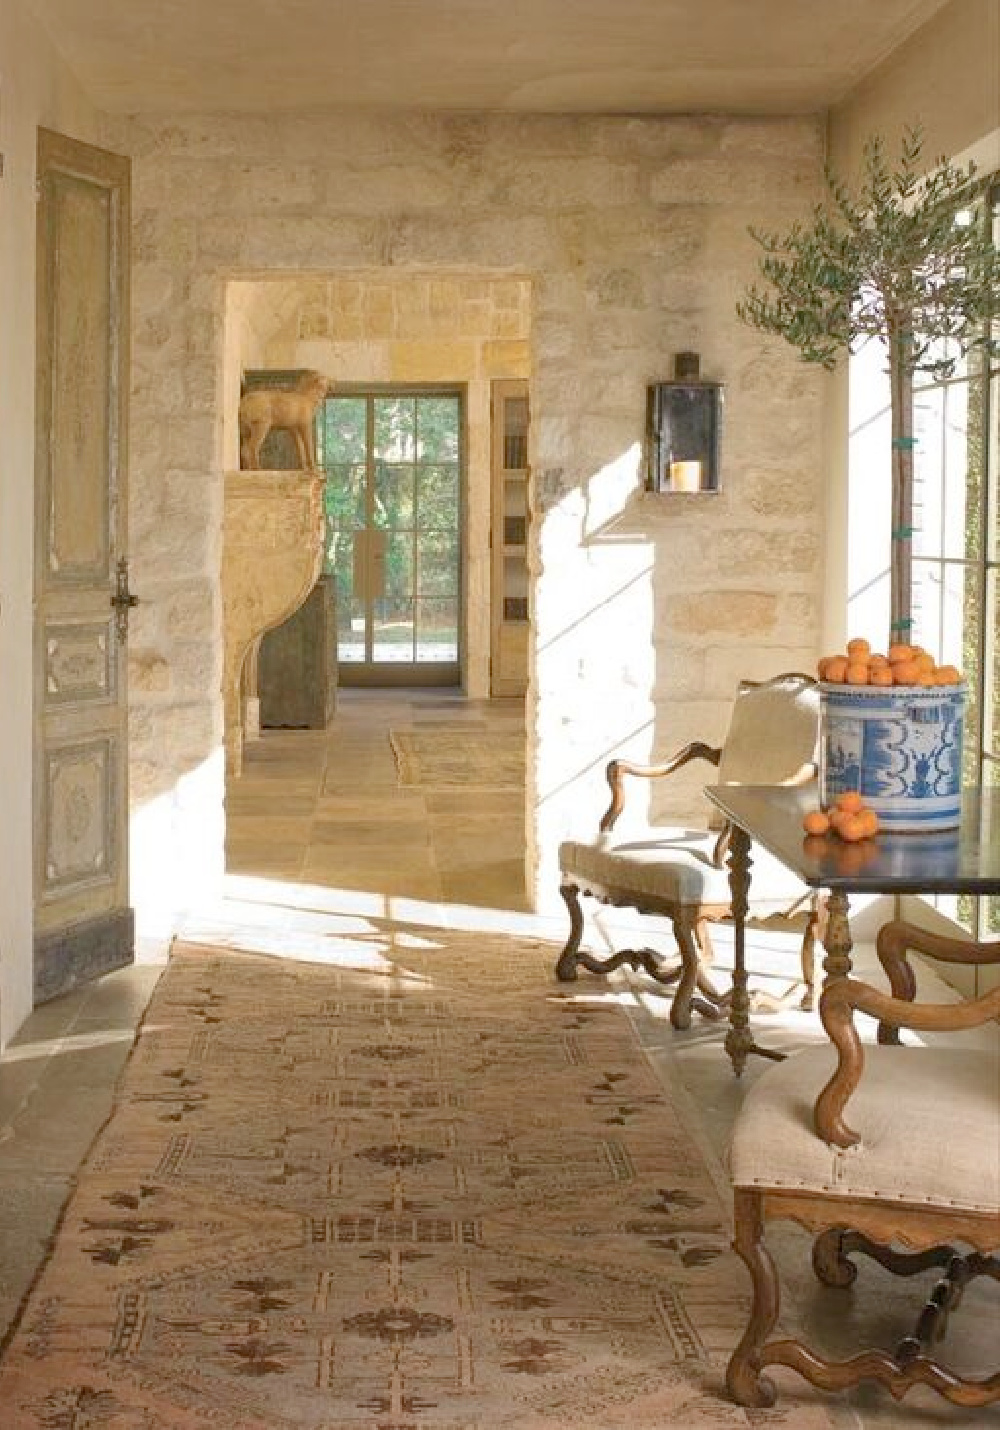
[
  {"x": 297, "y": 665},
  {"x": 272, "y": 555}
]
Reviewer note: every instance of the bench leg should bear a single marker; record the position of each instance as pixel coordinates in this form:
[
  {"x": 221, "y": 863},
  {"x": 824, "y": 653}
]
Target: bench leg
[{"x": 744, "y": 1380}]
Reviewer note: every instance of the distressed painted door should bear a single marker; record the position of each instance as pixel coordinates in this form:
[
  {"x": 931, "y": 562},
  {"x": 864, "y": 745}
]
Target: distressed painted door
[{"x": 83, "y": 924}]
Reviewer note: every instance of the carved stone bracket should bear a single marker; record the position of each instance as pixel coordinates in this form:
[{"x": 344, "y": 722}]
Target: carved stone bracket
[{"x": 272, "y": 555}]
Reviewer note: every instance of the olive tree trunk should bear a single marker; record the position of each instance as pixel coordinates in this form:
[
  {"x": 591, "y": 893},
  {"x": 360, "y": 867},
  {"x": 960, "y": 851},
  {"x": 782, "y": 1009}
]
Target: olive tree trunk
[{"x": 901, "y": 560}]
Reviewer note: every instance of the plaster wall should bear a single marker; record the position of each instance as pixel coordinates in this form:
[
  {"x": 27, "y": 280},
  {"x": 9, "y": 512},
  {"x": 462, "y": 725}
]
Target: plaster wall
[
  {"x": 646, "y": 610},
  {"x": 399, "y": 328},
  {"x": 35, "y": 90}
]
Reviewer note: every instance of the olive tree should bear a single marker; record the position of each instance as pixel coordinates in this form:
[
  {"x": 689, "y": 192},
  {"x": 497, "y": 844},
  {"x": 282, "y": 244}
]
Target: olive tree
[{"x": 905, "y": 259}]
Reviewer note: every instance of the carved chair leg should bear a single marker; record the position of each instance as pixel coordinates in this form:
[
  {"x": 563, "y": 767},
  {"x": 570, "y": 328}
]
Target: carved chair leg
[
  {"x": 566, "y": 967},
  {"x": 572, "y": 958},
  {"x": 809, "y": 940},
  {"x": 744, "y": 1380},
  {"x": 829, "y": 1258},
  {"x": 680, "y": 1008},
  {"x": 832, "y": 1248},
  {"x": 705, "y": 947}
]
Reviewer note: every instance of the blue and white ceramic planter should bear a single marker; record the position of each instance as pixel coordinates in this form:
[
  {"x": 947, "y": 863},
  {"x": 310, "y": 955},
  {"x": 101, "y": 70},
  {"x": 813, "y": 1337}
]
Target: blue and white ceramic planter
[{"x": 900, "y": 746}]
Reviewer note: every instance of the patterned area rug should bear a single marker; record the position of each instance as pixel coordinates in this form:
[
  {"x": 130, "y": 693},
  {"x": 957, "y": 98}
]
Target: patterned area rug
[
  {"x": 439, "y": 759},
  {"x": 337, "y": 1199}
]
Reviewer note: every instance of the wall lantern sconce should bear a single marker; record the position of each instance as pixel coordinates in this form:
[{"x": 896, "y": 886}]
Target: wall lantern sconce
[{"x": 683, "y": 418}]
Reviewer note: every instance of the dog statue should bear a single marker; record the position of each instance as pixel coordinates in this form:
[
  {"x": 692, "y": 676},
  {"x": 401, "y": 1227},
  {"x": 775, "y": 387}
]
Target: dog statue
[{"x": 291, "y": 409}]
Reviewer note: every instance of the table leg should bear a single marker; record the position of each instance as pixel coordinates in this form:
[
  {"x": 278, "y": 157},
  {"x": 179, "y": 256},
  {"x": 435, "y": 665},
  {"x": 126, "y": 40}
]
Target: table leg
[
  {"x": 837, "y": 937},
  {"x": 739, "y": 1039}
]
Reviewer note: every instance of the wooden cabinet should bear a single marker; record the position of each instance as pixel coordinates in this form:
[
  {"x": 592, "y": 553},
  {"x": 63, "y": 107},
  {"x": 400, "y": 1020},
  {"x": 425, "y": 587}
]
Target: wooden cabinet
[{"x": 509, "y": 536}]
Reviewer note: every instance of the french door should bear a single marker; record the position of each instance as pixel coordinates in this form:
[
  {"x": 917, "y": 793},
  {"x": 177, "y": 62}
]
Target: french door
[{"x": 393, "y": 464}]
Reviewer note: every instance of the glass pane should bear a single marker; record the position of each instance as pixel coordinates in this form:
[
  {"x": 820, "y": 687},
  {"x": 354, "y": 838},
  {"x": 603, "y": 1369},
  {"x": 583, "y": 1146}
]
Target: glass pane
[
  {"x": 993, "y": 468},
  {"x": 515, "y": 433},
  {"x": 393, "y": 496},
  {"x": 437, "y": 569},
  {"x": 350, "y": 631},
  {"x": 437, "y": 429},
  {"x": 342, "y": 430},
  {"x": 393, "y": 629},
  {"x": 395, "y": 429},
  {"x": 991, "y": 668},
  {"x": 946, "y": 480},
  {"x": 437, "y": 497},
  {"x": 340, "y": 561},
  {"x": 345, "y": 495},
  {"x": 399, "y": 573},
  {"x": 945, "y": 596},
  {"x": 515, "y": 511},
  {"x": 437, "y": 630}
]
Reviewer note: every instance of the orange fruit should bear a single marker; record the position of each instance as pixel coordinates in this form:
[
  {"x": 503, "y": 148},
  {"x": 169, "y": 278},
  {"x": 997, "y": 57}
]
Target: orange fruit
[
  {"x": 949, "y": 675},
  {"x": 816, "y": 822},
  {"x": 899, "y": 652},
  {"x": 923, "y": 661},
  {"x": 856, "y": 673},
  {"x": 836, "y": 669},
  {"x": 858, "y": 647},
  {"x": 880, "y": 675},
  {"x": 905, "y": 672},
  {"x": 852, "y": 828},
  {"x": 850, "y": 801},
  {"x": 925, "y": 678},
  {"x": 878, "y": 661},
  {"x": 869, "y": 819}
]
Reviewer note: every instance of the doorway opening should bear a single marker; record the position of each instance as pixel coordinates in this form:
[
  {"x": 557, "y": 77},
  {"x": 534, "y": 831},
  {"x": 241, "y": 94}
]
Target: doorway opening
[{"x": 393, "y": 459}]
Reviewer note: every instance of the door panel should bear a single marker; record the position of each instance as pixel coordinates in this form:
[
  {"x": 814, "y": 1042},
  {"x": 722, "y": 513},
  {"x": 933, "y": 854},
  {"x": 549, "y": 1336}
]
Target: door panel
[{"x": 83, "y": 924}]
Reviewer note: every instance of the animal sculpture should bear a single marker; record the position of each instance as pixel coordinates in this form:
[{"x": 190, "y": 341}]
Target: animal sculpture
[{"x": 289, "y": 409}]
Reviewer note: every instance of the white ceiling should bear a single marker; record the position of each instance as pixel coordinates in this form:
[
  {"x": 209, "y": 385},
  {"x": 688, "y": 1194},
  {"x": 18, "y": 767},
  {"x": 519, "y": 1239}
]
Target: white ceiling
[{"x": 571, "y": 56}]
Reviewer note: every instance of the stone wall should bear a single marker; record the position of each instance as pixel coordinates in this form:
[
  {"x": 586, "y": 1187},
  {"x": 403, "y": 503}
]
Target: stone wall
[{"x": 632, "y": 232}]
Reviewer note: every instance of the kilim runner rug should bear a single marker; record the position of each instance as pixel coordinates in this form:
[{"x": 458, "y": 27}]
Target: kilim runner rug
[
  {"x": 441, "y": 758},
  {"x": 404, "y": 1201}
]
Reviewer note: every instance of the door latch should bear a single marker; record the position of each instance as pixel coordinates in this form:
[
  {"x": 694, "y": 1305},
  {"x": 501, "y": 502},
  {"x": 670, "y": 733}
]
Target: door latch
[{"x": 123, "y": 600}]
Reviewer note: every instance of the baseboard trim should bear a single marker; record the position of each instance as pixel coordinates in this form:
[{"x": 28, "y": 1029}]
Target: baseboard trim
[{"x": 74, "y": 955}]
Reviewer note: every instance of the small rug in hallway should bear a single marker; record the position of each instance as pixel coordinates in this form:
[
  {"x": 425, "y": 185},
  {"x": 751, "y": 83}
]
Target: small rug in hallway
[
  {"x": 484, "y": 759},
  {"x": 331, "y": 1198}
]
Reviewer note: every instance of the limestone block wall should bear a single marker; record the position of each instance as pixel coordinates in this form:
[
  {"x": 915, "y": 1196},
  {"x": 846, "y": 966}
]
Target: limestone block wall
[
  {"x": 390, "y": 327},
  {"x": 632, "y": 233}
]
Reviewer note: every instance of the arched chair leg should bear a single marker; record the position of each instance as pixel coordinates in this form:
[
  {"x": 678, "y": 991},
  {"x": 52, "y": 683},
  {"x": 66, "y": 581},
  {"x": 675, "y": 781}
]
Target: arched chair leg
[
  {"x": 744, "y": 1380},
  {"x": 705, "y": 947},
  {"x": 680, "y": 1008},
  {"x": 566, "y": 966},
  {"x": 813, "y": 934}
]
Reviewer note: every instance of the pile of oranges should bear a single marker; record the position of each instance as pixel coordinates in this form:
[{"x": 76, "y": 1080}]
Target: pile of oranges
[
  {"x": 849, "y": 817},
  {"x": 902, "y": 665}
]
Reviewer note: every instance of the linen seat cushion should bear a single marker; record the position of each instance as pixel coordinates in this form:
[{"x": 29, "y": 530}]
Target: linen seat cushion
[
  {"x": 674, "y": 865},
  {"x": 928, "y": 1117}
]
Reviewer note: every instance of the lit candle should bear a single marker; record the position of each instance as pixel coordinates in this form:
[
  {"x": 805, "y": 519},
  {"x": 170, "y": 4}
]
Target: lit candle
[{"x": 685, "y": 476}]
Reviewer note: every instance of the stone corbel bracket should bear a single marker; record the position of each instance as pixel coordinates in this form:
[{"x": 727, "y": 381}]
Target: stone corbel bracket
[{"x": 272, "y": 554}]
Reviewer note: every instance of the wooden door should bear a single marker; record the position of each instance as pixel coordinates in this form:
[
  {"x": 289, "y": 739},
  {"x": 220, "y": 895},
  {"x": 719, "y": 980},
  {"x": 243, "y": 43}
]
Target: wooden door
[
  {"x": 83, "y": 924},
  {"x": 509, "y": 538}
]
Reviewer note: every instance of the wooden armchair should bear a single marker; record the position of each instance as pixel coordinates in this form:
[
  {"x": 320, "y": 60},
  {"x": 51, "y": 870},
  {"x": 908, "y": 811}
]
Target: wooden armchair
[
  {"x": 907, "y": 1154},
  {"x": 681, "y": 873}
]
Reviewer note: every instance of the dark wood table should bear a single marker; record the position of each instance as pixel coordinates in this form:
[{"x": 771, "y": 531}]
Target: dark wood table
[{"x": 965, "y": 860}]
